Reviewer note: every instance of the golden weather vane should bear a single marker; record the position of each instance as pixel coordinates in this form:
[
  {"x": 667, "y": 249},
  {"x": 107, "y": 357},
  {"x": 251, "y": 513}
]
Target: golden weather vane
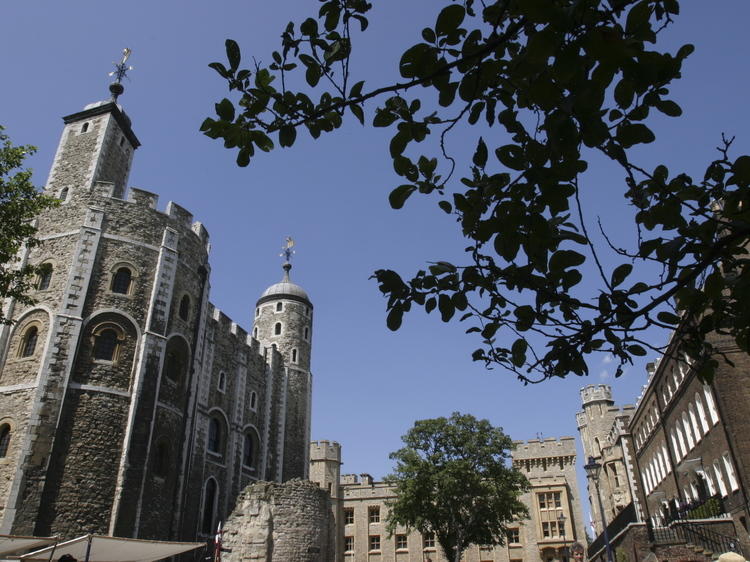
[{"x": 287, "y": 251}]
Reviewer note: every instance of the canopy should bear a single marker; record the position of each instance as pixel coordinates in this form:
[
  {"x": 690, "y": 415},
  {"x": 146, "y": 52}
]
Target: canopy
[
  {"x": 10, "y": 543},
  {"x": 113, "y": 549}
]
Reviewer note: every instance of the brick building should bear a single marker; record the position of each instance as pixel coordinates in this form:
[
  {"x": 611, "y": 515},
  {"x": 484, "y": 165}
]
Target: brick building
[
  {"x": 686, "y": 450},
  {"x": 360, "y": 507},
  {"x": 129, "y": 404}
]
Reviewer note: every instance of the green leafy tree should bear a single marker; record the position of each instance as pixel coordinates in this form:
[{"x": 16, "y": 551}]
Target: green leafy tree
[
  {"x": 453, "y": 479},
  {"x": 546, "y": 85},
  {"x": 20, "y": 202}
]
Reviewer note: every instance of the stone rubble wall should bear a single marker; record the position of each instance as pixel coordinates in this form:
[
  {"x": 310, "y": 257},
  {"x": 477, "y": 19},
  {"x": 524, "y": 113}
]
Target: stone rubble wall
[{"x": 290, "y": 522}]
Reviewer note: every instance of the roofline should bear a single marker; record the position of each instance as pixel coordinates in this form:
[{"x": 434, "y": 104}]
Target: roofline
[
  {"x": 109, "y": 107},
  {"x": 279, "y": 296}
]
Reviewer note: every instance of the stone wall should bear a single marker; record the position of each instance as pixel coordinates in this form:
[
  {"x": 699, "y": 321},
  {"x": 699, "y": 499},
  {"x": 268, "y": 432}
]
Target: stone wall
[
  {"x": 290, "y": 522},
  {"x": 91, "y": 437}
]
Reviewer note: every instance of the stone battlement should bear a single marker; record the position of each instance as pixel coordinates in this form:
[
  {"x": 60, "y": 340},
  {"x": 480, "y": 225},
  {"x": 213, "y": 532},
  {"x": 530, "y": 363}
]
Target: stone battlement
[
  {"x": 549, "y": 447},
  {"x": 148, "y": 200},
  {"x": 349, "y": 479},
  {"x": 596, "y": 393},
  {"x": 325, "y": 450}
]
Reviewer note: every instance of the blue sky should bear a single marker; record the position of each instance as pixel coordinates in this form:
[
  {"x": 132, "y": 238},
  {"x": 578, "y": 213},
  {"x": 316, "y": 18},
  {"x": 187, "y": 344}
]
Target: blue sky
[{"x": 331, "y": 195}]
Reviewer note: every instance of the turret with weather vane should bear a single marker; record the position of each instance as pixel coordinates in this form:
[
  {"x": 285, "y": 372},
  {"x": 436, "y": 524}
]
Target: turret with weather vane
[
  {"x": 97, "y": 145},
  {"x": 283, "y": 322}
]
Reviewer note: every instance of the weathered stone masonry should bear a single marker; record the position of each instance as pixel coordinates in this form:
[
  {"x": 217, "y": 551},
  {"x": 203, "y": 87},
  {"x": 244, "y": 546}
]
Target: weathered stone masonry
[{"x": 136, "y": 408}]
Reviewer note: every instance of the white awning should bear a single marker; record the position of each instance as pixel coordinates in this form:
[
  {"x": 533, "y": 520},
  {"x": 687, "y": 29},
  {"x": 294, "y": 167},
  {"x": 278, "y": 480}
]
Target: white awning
[
  {"x": 114, "y": 549},
  {"x": 11, "y": 543}
]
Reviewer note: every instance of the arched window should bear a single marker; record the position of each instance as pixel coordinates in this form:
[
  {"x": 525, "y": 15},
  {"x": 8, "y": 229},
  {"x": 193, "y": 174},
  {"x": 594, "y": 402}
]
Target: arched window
[
  {"x": 277, "y": 329},
  {"x": 161, "y": 458},
  {"x": 209, "y": 506},
  {"x": 662, "y": 466},
  {"x": 215, "y": 435},
  {"x": 730, "y": 472},
  {"x": 665, "y": 455},
  {"x": 63, "y": 194},
  {"x": 694, "y": 423},
  {"x": 675, "y": 446},
  {"x": 257, "y": 312},
  {"x": 121, "y": 281},
  {"x": 294, "y": 355},
  {"x": 28, "y": 342},
  {"x": 45, "y": 277},
  {"x": 85, "y": 127},
  {"x": 711, "y": 404},
  {"x": 248, "y": 450},
  {"x": 106, "y": 343},
  {"x": 255, "y": 332},
  {"x": 279, "y": 307},
  {"x": 184, "y": 307},
  {"x": 720, "y": 479},
  {"x": 176, "y": 359},
  {"x": 222, "y": 384},
  {"x": 708, "y": 477},
  {"x": 306, "y": 333},
  {"x": 683, "y": 448},
  {"x": 253, "y": 400},
  {"x": 688, "y": 432},
  {"x": 4, "y": 440},
  {"x": 701, "y": 413}
]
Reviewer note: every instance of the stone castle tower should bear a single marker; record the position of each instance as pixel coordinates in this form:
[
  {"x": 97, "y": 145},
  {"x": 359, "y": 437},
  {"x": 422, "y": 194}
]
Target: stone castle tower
[
  {"x": 553, "y": 499},
  {"x": 603, "y": 428},
  {"x": 283, "y": 322},
  {"x": 325, "y": 471},
  {"x": 133, "y": 406}
]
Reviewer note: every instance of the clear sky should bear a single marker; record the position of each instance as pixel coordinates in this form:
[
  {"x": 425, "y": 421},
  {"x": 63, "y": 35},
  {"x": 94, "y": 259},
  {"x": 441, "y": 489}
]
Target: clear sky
[{"x": 331, "y": 195}]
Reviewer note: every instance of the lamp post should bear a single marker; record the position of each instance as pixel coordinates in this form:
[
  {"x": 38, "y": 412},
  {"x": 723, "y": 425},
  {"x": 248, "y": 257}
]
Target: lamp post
[
  {"x": 592, "y": 470},
  {"x": 561, "y": 532}
]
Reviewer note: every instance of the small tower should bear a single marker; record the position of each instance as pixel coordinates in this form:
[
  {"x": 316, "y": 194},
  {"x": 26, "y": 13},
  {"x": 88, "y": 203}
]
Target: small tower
[
  {"x": 595, "y": 421},
  {"x": 283, "y": 325},
  {"x": 97, "y": 145},
  {"x": 325, "y": 471},
  {"x": 602, "y": 425},
  {"x": 283, "y": 321},
  {"x": 325, "y": 466}
]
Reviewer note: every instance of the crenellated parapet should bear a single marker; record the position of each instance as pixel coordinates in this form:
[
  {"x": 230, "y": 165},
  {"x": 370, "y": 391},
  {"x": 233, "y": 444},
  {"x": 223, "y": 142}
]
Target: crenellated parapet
[
  {"x": 550, "y": 447},
  {"x": 596, "y": 393},
  {"x": 325, "y": 451}
]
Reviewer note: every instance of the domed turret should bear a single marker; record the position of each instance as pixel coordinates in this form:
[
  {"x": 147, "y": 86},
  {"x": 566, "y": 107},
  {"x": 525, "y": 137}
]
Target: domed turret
[
  {"x": 284, "y": 288},
  {"x": 283, "y": 321}
]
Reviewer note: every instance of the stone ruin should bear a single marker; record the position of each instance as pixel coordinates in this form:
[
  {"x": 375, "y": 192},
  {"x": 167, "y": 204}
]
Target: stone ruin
[{"x": 289, "y": 522}]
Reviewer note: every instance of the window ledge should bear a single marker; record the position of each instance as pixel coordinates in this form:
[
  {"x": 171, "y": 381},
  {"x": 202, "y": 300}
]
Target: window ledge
[{"x": 215, "y": 458}]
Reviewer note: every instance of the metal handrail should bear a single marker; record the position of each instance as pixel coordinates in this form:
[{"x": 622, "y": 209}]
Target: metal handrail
[
  {"x": 622, "y": 520},
  {"x": 701, "y": 535}
]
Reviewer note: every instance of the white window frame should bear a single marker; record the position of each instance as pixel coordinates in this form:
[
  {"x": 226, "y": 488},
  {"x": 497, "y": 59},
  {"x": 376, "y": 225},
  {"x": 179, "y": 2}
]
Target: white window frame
[
  {"x": 701, "y": 413},
  {"x": 731, "y": 474},
  {"x": 711, "y": 404}
]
